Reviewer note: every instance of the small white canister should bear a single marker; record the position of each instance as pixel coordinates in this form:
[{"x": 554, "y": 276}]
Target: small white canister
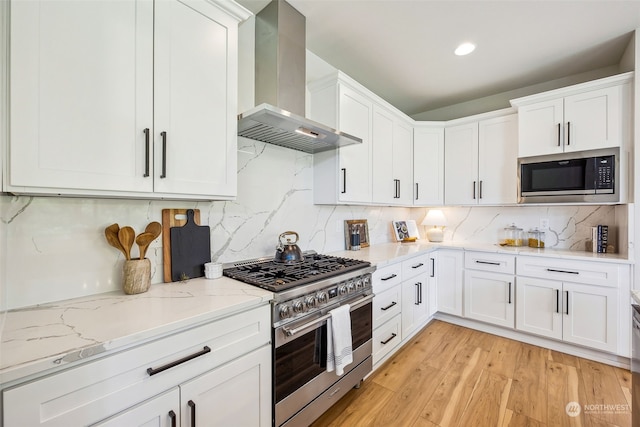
[{"x": 212, "y": 270}]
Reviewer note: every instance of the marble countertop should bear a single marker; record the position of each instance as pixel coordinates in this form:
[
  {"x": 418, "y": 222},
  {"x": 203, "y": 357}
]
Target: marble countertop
[
  {"x": 389, "y": 253},
  {"x": 44, "y": 337},
  {"x": 636, "y": 297}
]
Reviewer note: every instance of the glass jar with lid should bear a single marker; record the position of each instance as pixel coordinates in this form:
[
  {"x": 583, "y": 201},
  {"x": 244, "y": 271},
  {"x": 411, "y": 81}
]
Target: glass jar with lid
[
  {"x": 536, "y": 238},
  {"x": 512, "y": 236}
]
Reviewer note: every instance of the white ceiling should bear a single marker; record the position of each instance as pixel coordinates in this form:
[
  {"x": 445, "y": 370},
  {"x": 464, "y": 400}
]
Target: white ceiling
[{"x": 403, "y": 50}]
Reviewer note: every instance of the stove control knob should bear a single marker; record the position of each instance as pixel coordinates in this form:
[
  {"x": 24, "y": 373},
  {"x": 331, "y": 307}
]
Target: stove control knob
[
  {"x": 366, "y": 280},
  {"x": 342, "y": 290},
  {"x": 285, "y": 311},
  {"x": 351, "y": 287},
  {"x": 322, "y": 298},
  {"x": 310, "y": 302},
  {"x": 298, "y": 307},
  {"x": 359, "y": 284}
]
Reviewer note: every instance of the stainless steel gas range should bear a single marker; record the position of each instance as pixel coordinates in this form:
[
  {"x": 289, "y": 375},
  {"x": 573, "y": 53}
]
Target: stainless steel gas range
[{"x": 305, "y": 292}]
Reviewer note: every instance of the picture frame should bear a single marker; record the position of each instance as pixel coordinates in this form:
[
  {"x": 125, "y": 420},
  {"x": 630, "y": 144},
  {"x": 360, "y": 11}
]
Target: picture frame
[
  {"x": 356, "y": 224},
  {"x": 405, "y": 229}
]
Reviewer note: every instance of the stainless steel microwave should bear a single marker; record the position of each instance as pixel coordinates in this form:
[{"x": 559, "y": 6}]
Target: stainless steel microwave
[{"x": 588, "y": 176}]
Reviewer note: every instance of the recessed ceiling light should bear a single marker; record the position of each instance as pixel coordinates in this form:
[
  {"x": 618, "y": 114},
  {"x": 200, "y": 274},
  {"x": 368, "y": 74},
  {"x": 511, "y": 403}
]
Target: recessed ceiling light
[{"x": 465, "y": 49}]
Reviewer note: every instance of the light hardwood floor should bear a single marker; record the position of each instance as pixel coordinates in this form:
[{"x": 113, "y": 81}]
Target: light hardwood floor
[{"x": 453, "y": 376}]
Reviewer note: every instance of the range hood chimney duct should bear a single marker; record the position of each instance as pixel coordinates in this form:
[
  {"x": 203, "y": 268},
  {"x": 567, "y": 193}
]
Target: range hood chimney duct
[{"x": 280, "y": 85}]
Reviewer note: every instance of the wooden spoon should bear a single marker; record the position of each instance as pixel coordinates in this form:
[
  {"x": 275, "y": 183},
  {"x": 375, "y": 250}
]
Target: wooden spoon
[
  {"x": 111, "y": 233},
  {"x": 154, "y": 228},
  {"x": 144, "y": 240},
  {"x": 126, "y": 235}
]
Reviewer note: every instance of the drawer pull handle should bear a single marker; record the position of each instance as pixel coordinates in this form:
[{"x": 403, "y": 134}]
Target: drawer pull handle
[
  {"x": 192, "y": 405},
  {"x": 172, "y": 417},
  {"x": 152, "y": 371},
  {"x": 385, "y": 342},
  {"x": 553, "y": 270},
  {"x": 389, "y": 306},
  {"x": 389, "y": 277},
  {"x": 487, "y": 262},
  {"x": 417, "y": 266}
]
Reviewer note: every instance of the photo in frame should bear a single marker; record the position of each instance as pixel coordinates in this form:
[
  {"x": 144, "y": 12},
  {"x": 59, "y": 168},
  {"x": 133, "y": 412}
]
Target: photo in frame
[
  {"x": 405, "y": 229},
  {"x": 356, "y": 224}
]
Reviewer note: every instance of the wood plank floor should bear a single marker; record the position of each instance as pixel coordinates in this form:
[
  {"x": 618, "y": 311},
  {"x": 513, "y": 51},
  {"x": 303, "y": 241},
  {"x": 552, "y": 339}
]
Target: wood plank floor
[{"x": 453, "y": 376}]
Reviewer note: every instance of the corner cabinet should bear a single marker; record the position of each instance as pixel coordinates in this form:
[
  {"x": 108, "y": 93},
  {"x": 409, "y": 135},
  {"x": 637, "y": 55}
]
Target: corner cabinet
[
  {"x": 582, "y": 117},
  {"x": 480, "y": 161},
  {"x": 342, "y": 176},
  {"x": 448, "y": 270},
  {"x": 218, "y": 373},
  {"x": 124, "y": 99},
  {"x": 428, "y": 164}
]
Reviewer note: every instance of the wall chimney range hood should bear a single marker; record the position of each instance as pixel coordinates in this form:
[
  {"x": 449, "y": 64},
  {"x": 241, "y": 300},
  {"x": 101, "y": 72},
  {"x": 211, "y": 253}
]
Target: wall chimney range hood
[{"x": 280, "y": 78}]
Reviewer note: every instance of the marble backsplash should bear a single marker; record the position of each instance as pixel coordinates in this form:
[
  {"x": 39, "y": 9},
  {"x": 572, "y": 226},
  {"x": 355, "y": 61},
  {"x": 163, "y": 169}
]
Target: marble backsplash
[{"x": 54, "y": 248}]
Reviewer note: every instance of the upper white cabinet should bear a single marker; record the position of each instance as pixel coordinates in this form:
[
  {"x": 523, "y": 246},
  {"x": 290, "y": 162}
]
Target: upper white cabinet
[
  {"x": 428, "y": 164},
  {"x": 587, "y": 116},
  {"x": 392, "y": 158},
  {"x": 114, "y": 98},
  {"x": 342, "y": 176},
  {"x": 481, "y": 162}
]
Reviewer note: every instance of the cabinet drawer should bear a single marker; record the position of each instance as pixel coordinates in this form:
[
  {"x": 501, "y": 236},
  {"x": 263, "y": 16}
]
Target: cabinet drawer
[
  {"x": 386, "y": 305},
  {"x": 415, "y": 266},
  {"x": 96, "y": 390},
  {"x": 591, "y": 273},
  {"x": 497, "y": 263},
  {"x": 386, "y": 338},
  {"x": 387, "y": 277}
]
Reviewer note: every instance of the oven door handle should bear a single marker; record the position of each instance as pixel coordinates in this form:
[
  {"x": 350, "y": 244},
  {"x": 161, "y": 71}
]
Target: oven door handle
[{"x": 291, "y": 332}]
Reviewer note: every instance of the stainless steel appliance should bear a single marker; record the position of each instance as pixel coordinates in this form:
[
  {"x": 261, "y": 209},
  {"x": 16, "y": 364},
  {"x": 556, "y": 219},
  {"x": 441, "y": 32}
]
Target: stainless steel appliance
[
  {"x": 304, "y": 294},
  {"x": 589, "y": 176},
  {"x": 635, "y": 366}
]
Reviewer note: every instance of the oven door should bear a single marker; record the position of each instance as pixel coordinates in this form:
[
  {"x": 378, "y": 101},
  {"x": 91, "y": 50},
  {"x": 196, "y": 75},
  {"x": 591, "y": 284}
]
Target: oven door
[{"x": 300, "y": 360}]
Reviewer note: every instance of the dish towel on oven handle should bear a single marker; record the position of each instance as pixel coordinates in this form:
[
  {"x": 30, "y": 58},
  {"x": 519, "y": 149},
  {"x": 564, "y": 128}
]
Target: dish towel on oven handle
[{"x": 339, "y": 345}]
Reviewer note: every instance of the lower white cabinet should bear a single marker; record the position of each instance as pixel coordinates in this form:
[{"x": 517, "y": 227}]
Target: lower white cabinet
[
  {"x": 448, "y": 268},
  {"x": 489, "y": 297},
  {"x": 387, "y": 309},
  {"x": 386, "y": 339},
  {"x": 415, "y": 303},
  {"x": 222, "y": 367},
  {"x": 573, "y": 312}
]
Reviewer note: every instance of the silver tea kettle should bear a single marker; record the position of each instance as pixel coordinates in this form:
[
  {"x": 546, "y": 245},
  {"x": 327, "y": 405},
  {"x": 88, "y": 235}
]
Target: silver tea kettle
[{"x": 288, "y": 252}]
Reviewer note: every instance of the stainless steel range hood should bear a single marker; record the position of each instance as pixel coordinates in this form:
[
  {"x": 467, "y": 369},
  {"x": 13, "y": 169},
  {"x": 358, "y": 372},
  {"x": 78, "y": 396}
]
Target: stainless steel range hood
[{"x": 280, "y": 76}]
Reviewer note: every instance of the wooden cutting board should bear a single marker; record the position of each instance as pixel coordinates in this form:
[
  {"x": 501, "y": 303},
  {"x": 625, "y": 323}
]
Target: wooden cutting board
[{"x": 172, "y": 218}]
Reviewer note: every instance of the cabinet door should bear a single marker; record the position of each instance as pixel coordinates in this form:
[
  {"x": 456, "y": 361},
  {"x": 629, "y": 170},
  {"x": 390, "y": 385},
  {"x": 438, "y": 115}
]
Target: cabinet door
[
  {"x": 195, "y": 99},
  {"x": 540, "y": 129},
  {"x": 498, "y": 160},
  {"x": 403, "y": 162},
  {"x": 235, "y": 394},
  {"x": 428, "y": 167},
  {"x": 160, "y": 411},
  {"x": 590, "y": 316},
  {"x": 461, "y": 165},
  {"x": 489, "y": 297},
  {"x": 448, "y": 272},
  {"x": 592, "y": 119},
  {"x": 81, "y": 95},
  {"x": 539, "y": 307},
  {"x": 386, "y": 305},
  {"x": 415, "y": 303},
  {"x": 384, "y": 188},
  {"x": 356, "y": 112}
]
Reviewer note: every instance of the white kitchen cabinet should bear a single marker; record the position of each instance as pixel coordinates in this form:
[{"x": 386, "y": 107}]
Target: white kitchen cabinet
[
  {"x": 126, "y": 99},
  {"x": 428, "y": 165},
  {"x": 582, "y": 117},
  {"x": 342, "y": 176},
  {"x": 489, "y": 288},
  {"x": 415, "y": 294},
  {"x": 489, "y": 297},
  {"x": 449, "y": 280},
  {"x": 575, "y": 301},
  {"x": 160, "y": 411},
  {"x": 387, "y": 309},
  {"x": 392, "y": 158},
  {"x": 229, "y": 354},
  {"x": 481, "y": 162},
  {"x": 580, "y": 314}
]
